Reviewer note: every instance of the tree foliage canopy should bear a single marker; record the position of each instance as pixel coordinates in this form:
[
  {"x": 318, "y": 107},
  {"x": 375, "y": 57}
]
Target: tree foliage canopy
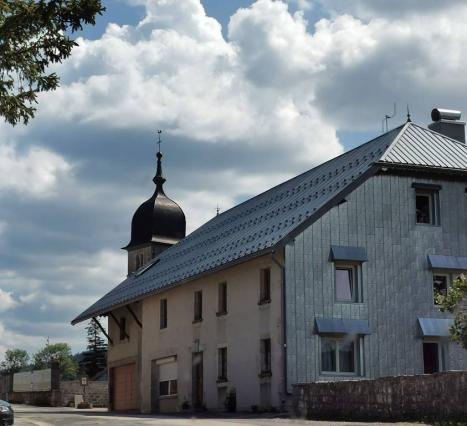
[
  {"x": 15, "y": 360},
  {"x": 57, "y": 352},
  {"x": 455, "y": 301},
  {"x": 33, "y": 35}
]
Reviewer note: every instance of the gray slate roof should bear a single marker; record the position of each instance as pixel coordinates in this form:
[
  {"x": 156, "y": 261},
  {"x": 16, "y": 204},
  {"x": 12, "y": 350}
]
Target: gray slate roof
[{"x": 263, "y": 223}]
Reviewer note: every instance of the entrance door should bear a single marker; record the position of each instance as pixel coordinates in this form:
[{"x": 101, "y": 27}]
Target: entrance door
[
  {"x": 197, "y": 377},
  {"x": 430, "y": 357},
  {"x": 124, "y": 388}
]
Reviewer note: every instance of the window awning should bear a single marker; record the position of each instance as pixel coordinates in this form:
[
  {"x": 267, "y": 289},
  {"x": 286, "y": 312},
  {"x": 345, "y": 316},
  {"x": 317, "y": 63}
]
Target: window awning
[
  {"x": 434, "y": 327},
  {"x": 341, "y": 326},
  {"x": 356, "y": 254},
  {"x": 447, "y": 262}
]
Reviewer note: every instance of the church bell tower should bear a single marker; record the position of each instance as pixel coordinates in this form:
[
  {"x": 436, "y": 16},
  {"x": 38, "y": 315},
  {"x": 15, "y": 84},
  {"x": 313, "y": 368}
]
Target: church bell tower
[{"x": 157, "y": 224}]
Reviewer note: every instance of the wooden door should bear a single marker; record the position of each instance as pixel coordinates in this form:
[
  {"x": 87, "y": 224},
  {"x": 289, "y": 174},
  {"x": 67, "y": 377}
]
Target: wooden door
[{"x": 124, "y": 388}]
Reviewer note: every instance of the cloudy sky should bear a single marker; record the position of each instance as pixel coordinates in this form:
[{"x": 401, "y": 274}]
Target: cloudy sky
[{"x": 248, "y": 93}]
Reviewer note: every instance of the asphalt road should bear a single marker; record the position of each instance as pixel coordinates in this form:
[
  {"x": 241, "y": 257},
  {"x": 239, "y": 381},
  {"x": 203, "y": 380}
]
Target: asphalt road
[{"x": 44, "y": 416}]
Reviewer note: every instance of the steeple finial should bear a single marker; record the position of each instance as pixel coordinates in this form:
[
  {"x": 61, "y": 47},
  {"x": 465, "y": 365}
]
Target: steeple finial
[
  {"x": 409, "y": 120},
  {"x": 159, "y": 179}
]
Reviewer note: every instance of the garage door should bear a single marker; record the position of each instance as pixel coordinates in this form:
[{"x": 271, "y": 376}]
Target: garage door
[{"x": 124, "y": 388}]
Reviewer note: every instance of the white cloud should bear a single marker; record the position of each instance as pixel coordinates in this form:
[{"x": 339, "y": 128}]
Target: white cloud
[
  {"x": 34, "y": 173},
  {"x": 6, "y": 301}
]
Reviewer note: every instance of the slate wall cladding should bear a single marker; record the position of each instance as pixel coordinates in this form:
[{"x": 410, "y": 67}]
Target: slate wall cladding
[
  {"x": 397, "y": 281},
  {"x": 427, "y": 396}
]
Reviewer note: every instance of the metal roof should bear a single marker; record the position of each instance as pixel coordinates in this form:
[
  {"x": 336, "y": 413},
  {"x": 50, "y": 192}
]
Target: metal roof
[
  {"x": 418, "y": 146},
  {"x": 263, "y": 223},
  {"x": 435, "y": 327},
  {"x": 341, "y": 326}
]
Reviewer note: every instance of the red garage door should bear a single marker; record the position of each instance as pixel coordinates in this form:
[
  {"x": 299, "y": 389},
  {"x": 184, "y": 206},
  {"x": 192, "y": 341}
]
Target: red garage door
[{"x": 124, "y": 388}]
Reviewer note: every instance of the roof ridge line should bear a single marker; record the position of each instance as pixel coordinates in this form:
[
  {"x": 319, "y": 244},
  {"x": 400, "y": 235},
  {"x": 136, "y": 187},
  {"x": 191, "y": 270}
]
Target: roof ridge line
[{"x": 396, "y": 139}]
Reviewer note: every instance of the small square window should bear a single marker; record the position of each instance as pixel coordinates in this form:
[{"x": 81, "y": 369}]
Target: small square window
[
  {"x": 427, "y": 207},
  {"x": 340, "y": 355},
  {"x": 347, "y": 283}
]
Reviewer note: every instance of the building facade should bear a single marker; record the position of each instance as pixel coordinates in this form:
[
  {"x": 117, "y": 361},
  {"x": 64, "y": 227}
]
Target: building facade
[{"x": 331, "y": 275}]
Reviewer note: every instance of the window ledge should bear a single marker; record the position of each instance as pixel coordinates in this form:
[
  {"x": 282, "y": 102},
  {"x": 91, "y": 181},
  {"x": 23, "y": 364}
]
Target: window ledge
[
  {"x": 221, "y": 313},
  {"x": 222, "y": 380},
  {"x": 264, "y": 302},
  {"x": 265, "y": 374},
  {"x": 174, "y": 396},
  {"x": 197, "y": 321}
]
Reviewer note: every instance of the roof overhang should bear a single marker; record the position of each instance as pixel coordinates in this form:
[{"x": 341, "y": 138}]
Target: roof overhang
[
  {"x": 341, "y": 326},
  {"x": 434, "y": 327}
]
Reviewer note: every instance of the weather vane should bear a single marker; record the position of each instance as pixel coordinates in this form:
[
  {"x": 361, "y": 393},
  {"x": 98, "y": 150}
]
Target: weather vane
[{"x": 159, "y": 139}]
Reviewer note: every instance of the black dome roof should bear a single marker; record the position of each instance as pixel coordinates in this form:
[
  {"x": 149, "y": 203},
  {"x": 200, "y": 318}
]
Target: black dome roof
[{"x": 159, "y": 219}]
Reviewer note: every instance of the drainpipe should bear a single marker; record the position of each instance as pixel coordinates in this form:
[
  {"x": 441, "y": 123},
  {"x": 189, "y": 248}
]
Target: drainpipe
[{"x": 284, "y": 323}]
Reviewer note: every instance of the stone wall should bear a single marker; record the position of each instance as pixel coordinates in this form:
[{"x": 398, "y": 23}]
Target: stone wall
[
  {"x": 427, "y": 396},
  {"x": 96, "y": 392}
]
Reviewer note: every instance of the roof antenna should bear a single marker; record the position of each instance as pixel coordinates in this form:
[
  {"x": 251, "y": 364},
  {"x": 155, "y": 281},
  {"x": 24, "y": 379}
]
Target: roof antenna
[
  {"x": 218, "y": 210},
  {"x": 384, "y": 123},
  {"x": 159, "y": 139},
  {"x": 409, "y": 120}
]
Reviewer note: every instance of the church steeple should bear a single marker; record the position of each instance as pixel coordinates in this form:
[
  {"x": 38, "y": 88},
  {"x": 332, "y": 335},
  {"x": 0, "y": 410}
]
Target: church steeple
[{"x": 157, "y": 224}]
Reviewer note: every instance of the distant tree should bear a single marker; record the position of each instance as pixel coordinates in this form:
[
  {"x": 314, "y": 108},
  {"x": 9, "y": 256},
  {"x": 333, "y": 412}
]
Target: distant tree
[
  {"x": 60, "y": 353},
  {"x": 15, "y": 360},
  {"x": 33, "y": 35},
  {"x": 94, "y": 359},
  {"x": 96, "y": 342},
  {"x": 455, "y": 301}
]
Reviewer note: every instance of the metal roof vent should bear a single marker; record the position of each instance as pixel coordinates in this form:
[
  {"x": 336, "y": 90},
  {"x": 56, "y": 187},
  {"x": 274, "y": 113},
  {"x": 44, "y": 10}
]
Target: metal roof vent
[{"x": 447, "y": 122}]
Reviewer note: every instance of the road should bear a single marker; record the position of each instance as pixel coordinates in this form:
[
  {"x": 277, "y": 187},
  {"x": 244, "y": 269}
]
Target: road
[{"x": 46, "y": 416}]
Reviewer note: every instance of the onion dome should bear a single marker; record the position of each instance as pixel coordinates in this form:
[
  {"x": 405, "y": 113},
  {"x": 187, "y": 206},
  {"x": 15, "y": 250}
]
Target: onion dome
[{"x": 158, "y": 220}]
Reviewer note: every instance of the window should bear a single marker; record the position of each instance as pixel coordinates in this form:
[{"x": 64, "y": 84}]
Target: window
[
  {"x": 265, "y": 357},
  {"x": 347, "y": 283},
  {"x": 122, "y": 328},
  {"x": 339, "y": 355},
  {"x": 427, "y": 207},
  {"x": 222, "y": 364},
  {"x": 198, "y": 316},
  {"x": 139, "y": 261},
  {"x": 440, "y": 285},
  {"x": 433, "y": 357},
  {"x": 222, "y": 303},
  {"x": 163, "y": 313},
  {"x": 168, "y": 372},
  {"x": 265, "y": 286}
]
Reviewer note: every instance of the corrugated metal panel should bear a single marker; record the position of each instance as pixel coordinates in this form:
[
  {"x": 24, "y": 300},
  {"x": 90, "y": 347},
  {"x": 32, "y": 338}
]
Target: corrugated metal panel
[
  {"x": 260, "y": 223},
  {"x": 447, "y": 262},
  {"x": 341, "y": 326},
  {"x": 357, "y": 254},
  {"x": 423, "y": 147},
  {"x": 434, "y": 327}
]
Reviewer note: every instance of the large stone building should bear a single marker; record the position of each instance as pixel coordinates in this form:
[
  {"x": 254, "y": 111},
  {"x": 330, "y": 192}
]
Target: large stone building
[{"x": 328, "y": 276}]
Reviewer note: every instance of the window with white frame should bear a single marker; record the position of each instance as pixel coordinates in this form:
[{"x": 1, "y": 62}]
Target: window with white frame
[
  {"x": 347, "y": 283},
  {"x": 427, "y": 206},
  {"x": 340, "y": 355},
  {"x": 168, "y": 375}
]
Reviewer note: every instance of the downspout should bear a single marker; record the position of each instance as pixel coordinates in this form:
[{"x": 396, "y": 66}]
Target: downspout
[{"x": 284, "y": 323}]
